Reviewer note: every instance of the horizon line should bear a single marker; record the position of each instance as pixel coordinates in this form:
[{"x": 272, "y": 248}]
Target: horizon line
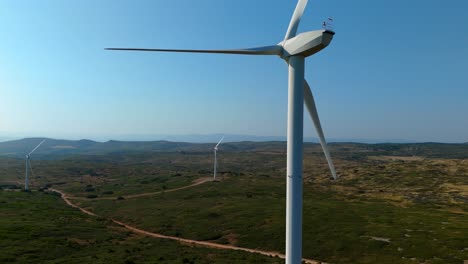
[{"x": 239, "y": 140}]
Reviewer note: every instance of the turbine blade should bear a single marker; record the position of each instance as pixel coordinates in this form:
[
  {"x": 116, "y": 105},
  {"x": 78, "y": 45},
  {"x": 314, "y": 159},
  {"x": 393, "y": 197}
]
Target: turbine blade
[
  {"x": 267, "y": 50},
  {"x": 295, "y": 19},
  {"x": 36, "y": 147},
  {"x": 219, "y": 142},
  {"x": 310, "y": 104}
]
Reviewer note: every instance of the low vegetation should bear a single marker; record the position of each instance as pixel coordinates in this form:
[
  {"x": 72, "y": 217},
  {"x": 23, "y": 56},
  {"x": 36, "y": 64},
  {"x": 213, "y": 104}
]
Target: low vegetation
[
  {"x": 394, "y": 203},
  {"x": 38, "y": 227}
]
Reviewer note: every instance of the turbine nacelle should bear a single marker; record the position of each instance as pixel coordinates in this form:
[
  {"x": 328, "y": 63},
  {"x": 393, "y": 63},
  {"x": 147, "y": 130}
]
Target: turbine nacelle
[{"x": 306, "y": 44}]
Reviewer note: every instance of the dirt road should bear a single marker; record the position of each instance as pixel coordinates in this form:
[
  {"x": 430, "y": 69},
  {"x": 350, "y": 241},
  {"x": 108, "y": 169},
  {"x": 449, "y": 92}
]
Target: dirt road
[
  {"x": 136, "y": 230},
  {"x": 195, "y": 183},
  {"x": 65, "y": 198}
]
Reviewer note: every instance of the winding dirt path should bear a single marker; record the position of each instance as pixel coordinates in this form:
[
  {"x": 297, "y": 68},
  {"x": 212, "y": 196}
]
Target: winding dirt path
[
  {"x": 66, "y": 198},
  {"x": 195, "y": 183}
]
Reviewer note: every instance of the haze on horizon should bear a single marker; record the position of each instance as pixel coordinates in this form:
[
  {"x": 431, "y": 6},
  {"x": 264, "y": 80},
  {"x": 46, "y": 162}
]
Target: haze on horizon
[{"x": 395, "y": 70}]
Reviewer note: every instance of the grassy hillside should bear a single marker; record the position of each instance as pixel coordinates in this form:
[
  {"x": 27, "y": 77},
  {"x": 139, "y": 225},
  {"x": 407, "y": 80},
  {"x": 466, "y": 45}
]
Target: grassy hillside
[
  {"x": 40, "y": 228},
  {"x": 249, "y": 212},
  {"x": 394, "y": 203}
]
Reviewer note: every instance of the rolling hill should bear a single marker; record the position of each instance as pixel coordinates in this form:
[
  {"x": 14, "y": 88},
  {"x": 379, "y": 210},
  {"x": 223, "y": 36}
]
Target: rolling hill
[{"x": 58, "y": 147}]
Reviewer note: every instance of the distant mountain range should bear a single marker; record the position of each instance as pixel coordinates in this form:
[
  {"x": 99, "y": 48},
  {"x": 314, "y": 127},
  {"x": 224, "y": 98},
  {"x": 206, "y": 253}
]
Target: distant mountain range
[
  {"x": 212, "y": 138},
  {"x": 63, "y": 147},
  {"x": 59, "y": 147}
]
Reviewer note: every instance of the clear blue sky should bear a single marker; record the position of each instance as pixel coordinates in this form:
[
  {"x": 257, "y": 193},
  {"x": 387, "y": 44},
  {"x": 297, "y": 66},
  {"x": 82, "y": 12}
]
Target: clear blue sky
[{"x": 395, "y": 69}]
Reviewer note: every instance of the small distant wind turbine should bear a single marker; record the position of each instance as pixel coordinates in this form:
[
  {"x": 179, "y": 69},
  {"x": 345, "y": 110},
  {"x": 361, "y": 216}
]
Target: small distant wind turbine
[
  {"x": 28, "y": 166},
  {"x": 293, "y": 50},
  {"x": 216, "y": 159}
]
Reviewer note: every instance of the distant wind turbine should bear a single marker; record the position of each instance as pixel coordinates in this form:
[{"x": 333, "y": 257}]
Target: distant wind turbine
[
  {"x": 28, "y": 166},
  {"x": 293, "y": 50},
  {"x": 216, "y": 159}
]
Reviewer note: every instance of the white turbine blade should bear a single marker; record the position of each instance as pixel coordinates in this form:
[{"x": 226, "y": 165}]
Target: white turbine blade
[
  {"x": 267, "y": 50},
  {"x": 36, "y": 147},
  {"x": 296, "y": 18},
  {"x": 216, "y": 147},
  {"x": 310, "y": 104}
]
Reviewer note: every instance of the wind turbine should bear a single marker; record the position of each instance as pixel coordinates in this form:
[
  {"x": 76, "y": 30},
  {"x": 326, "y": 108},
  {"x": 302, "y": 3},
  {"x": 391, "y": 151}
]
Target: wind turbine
[
  {"x": 215, "y": 159},
  {"x": 28, "y": 166},
  {"x": 293, "y": 49}
]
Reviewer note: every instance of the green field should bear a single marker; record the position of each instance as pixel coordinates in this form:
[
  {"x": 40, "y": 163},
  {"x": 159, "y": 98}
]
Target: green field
[
  {"x": 394, "y": 203},
  {"x": 250, "y": 213},
  {"x": 38, "y": 227}
]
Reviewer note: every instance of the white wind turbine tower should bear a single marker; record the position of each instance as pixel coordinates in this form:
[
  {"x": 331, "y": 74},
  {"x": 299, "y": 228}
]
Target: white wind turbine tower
[
  {"x": 215, "y": 150},
  {"x": 28, "y": 166},
  {"x": 293, "y": 50}
]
